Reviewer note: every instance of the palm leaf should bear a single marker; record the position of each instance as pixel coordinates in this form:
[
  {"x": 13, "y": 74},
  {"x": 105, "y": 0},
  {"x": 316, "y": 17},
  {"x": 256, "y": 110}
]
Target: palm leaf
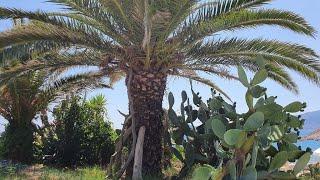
[
  {"x": 195, "y": 77},
  {"x": 39, "y": 31},
  {"x": 244, "y": 19},
  {"x": 233, "y": 52}
]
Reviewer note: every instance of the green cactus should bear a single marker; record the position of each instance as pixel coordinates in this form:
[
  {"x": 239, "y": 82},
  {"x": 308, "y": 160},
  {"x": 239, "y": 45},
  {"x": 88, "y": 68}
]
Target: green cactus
[
  {"x": 254, "y": 122},
  {"x": 235, "y": 137},
  {"x": 253, "y": 145}
]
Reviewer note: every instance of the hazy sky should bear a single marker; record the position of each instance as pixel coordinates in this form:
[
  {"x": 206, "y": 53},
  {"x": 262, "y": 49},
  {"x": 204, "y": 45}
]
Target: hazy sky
[{"x": 309, "y": 9}]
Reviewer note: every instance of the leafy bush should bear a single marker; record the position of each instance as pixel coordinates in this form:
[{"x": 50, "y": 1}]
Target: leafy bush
[
  {"x": 80, "y": 135},
  {"x": 18, "y": 143},
  {"x": 7, "y": 168},
  {"x": 240, "y": 146}
]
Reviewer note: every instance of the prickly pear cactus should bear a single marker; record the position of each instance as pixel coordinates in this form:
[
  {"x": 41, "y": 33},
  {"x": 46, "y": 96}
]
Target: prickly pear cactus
[{"x": 253, "y": 145}]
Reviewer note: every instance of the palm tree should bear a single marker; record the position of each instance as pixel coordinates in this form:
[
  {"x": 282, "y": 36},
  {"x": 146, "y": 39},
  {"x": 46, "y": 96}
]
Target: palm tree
[
  {"x": 24, "y": 97},
  {"x": 148, "y": 41}
]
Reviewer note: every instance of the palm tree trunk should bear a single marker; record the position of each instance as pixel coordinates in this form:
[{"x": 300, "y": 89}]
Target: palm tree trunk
[{"x": 145, "y": 91}]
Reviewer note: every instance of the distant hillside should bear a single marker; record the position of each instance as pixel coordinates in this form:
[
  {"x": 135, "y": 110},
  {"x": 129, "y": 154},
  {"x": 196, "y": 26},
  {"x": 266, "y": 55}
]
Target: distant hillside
[
  {"x": 312, "y": 122},
  {"x": 315, "y": 135}
]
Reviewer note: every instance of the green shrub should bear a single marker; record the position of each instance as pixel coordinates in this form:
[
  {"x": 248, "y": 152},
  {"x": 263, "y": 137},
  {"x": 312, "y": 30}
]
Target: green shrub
[
  {"x": 9, "y": 169},
  {"x": 18, "y": 143},
  {"x": 80, "y": 135},
  {"x": 241, "y": 146}
]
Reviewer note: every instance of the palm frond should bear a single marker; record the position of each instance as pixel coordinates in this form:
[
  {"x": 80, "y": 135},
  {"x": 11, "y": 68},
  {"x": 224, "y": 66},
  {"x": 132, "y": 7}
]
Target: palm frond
[
  {"x": 179, "y": 10},
  {"x": 40, "y": 31},
  {"x": 282, "y": 77},
  {"x": 212, "y": 70},
  {"x": 277, "y": 74},
  {"x": 72, "y": 20},
  {"x": 109, "y": 13},
  {"x": 19, "y": 97},
  {"x": 115, "y": 77},
  {"x": 232, "y": 52},
  {"x": 210, "y": 11},
  {"x": 106, "y": 28},
  {"x": 76, "y": 83},
  {"x": 115, "y": 8},
  {"x": 186, "y": 14},
  {"x": 52, "y": 62},
  {"x": 245, "y": 19},
  {"x": 172, "y": 35},
  {"x": 196, "y": 77},
  {"x": 18, "y": 52}
]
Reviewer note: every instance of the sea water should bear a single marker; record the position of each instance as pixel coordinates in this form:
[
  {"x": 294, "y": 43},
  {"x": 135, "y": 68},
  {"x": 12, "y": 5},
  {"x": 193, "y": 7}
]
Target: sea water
[{"x": 314, "y": 145}]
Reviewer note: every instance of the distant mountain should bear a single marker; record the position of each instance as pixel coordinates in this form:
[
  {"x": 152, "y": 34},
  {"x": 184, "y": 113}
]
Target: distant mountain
[
  {"x": 311, "y": 125},
  {"x": 312, "y": 122}
]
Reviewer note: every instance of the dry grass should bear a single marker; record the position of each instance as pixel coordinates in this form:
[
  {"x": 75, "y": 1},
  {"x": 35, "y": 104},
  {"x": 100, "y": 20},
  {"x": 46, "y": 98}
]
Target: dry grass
[{"x": 39, "y": 172}]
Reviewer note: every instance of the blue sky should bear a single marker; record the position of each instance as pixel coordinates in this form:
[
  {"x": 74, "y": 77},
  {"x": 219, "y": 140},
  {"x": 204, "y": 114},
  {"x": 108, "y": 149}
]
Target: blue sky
[{"x": 309, "y": 9}]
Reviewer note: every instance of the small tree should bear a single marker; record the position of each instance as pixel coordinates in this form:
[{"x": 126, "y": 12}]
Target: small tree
[
  {"x": 80, "y": 134},
  {"x": 22, "y": 99}
]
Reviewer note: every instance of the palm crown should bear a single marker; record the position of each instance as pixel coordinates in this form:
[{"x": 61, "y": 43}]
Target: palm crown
[{"x": 179, "y": 37}]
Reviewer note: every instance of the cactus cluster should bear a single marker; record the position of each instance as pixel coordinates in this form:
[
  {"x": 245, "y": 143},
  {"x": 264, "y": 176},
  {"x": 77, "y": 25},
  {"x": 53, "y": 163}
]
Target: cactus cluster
[{"x": 252, "y": 145}]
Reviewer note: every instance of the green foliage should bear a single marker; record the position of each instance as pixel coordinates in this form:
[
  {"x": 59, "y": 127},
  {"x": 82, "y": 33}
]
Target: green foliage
[
  {"x": 278, "y": 160},
  {"x": 234, "y": 137},
  {"x": 243, "y": 76},
  {"x": 203, "y": 173},
  {"x": 294, "y": 107},
  {"x": 218, "y": 128},
  {"x": 91, "y": 173},
  {"x": 168, "y": 30},
  {"x": 20, "y": 100},
  {"x": 301, "y": 163},
  {"x": 80, "y": 135},
  {"x": 254, "y": 122},
  {"x": 249, "y": 173},
  {"x": 24, "y": 97},
  {"x": 248, "y": 145},
  {"x": 259, "y": 77},
  {"x": 9, "y": 169},
  {"x": 18, "y": 143},
  {"x": 314, "y": 171}
]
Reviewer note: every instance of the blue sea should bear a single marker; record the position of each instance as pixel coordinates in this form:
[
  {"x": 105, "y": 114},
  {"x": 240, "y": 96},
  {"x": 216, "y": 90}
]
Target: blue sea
[{"x": 314, "y": 145}]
